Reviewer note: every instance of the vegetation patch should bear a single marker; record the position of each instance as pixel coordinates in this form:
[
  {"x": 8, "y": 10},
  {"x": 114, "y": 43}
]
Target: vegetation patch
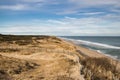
[
  {"x": 4, "y": 75},
  {"x": 63, "y": 77},
  {"x": 13, "y": 66},
  {"x": 24, "y": 42},
  {"x": 99, "y": 69},
  {"x": 8, "y": 50}
]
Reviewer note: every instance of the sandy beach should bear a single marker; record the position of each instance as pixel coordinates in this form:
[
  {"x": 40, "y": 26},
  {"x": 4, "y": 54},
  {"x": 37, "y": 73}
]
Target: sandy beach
[{"x": 52, "y": 58}]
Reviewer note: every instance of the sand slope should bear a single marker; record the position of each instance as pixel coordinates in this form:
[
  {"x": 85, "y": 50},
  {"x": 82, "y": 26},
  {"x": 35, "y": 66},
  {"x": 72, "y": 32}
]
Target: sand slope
[{"x": 51, "y": 58}]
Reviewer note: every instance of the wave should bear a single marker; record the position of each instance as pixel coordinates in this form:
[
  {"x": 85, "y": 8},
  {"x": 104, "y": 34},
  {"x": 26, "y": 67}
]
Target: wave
[
  {"x": 100, "y": 45},
  {"x": 100, "y": 48},
  {"x": 93, "y": 44},
  {"x": 112, "y": 56}
]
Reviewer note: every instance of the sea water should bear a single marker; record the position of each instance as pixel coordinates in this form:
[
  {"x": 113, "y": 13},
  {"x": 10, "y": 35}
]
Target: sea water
[{"x": 109, "y": 45}]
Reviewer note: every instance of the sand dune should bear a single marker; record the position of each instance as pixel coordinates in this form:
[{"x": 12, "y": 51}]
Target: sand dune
[{"x": 51, "y": 58}]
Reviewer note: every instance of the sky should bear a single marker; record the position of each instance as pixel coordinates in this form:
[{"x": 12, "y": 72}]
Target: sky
[{"x": 60, "y": 17}]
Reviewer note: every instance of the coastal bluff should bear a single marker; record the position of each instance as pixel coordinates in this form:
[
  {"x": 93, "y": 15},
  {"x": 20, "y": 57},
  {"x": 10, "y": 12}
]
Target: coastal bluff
[{"x": 40, "y": 57}]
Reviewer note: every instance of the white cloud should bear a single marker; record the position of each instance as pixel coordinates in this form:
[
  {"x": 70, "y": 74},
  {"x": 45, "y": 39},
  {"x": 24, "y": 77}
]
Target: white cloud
[
  {"x": 70, "y": 6},
  {"x": 33, "y": 0},
  {"x": 66, "y": 11},
  {"x": 78, "y": 6},
  {"x": 95, "y": 2},
  {"x": 38, "y": 5},
  {"x": 106, "y": 24},
  {"x": 68, "y": 26},
  {"x": 90, "y": 13},
  {"x": 14, "y": 7}
]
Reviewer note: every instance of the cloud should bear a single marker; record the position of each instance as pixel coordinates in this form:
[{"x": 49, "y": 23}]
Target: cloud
[
  {"x": 61, "y": 7},
  {"x": 86, "y": 17},
  {"x": 68, "y": 26},
  {"x": 14, "y": 7},
  {"x": 66, "y": 12},
  {"x": 78, "y": 6},
  {"x": 89, "y": 3},
  {"x": 33, "y": 0},
  {"x": 91, "y": 13}
]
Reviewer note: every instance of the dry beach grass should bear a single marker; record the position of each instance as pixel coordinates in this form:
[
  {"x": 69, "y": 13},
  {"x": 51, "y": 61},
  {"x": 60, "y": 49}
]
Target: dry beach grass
[{"x": 51, "y": 58}]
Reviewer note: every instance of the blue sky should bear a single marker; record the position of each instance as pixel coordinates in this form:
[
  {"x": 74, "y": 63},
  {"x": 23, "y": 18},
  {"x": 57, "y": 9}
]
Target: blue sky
[{"x": 60, "y": 17}]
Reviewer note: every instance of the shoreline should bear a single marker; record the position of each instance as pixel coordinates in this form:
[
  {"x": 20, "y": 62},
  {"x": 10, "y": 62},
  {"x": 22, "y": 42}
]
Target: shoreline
[
  {"x": 93, "y": 51},
  {"x": 94, "y": 54}
]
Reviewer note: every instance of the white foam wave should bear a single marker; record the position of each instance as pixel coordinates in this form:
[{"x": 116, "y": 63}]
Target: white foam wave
[
  {"x": 99, "y": 51},
  {"x": 106, "y": 46},
  {"x": 93, "y": 44}
]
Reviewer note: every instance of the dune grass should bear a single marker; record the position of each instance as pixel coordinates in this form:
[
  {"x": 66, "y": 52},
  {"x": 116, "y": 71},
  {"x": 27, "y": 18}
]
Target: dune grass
[
  {"x": 9, "y": 50},
  {"x": 13, "y": 66},
  {"x": 99, "y": 69},
  {"x": 54, "y": 49}
]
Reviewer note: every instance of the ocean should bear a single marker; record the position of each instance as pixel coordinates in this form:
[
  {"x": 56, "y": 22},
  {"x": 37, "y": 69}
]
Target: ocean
[{"x": 108, "y": 45}]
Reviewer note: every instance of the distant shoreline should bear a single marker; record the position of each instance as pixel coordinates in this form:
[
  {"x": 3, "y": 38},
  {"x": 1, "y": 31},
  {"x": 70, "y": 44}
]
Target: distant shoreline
[{"x": 88, "y": 43}]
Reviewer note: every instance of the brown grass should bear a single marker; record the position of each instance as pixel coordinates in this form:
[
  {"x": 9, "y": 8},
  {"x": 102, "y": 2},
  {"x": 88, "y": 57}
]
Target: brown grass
[
  {"x": 99, "y": 69},
  {"x": 9, "y": 50},
  {"x": 4, "y": 75},
  {"x": 57, "y": 59},
  {"x": 64, "y": 77},
  {"x": 12, "y": 66}
]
